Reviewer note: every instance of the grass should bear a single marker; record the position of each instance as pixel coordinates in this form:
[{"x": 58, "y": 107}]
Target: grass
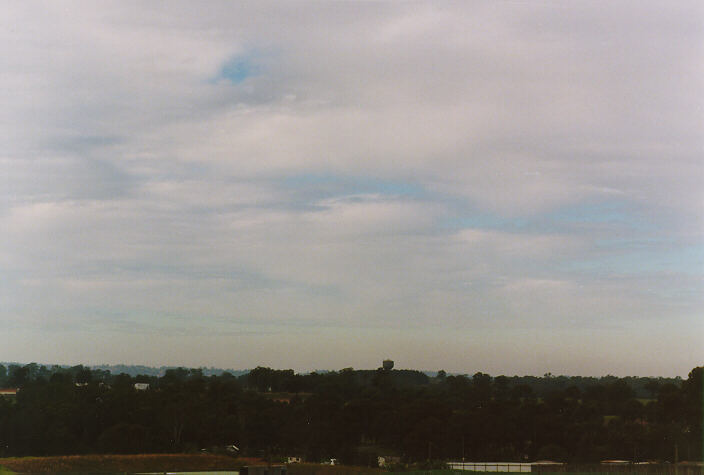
[
  {"x": 319, "y": 469},
  {"x": 159, "y": 463},
  {"x": 121, "y": 463}
]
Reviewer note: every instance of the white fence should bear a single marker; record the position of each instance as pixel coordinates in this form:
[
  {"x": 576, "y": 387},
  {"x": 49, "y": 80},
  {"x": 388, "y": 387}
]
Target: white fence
[{"x": 490, "y": 466}]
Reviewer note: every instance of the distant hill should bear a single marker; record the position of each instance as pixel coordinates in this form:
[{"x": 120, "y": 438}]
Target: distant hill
[
  {"x": 643, "y": 387},
  {"x": 135, "y": 370}
]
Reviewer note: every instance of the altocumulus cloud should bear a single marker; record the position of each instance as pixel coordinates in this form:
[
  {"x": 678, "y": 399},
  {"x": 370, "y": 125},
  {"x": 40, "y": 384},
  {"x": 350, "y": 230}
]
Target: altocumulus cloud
[{"x": 476, "y": 186}]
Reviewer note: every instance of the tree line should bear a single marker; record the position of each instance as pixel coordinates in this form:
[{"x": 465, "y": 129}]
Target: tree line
[{"x": 352, "y": 415}]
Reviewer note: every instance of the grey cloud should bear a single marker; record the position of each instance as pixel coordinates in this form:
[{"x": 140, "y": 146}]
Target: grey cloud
[{"x": 138, "y": 189}]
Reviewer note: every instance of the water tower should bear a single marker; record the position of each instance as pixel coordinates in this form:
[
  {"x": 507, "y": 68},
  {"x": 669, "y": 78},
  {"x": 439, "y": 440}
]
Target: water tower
[{"x": 388, "y": 365}]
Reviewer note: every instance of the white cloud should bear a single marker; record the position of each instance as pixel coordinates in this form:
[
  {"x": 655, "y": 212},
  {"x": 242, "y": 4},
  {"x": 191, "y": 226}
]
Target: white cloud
[{"x": 459, "y": 154}]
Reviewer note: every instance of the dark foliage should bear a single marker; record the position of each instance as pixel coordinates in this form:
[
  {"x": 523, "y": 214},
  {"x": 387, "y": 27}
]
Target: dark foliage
[{"x": 351, "y": 415}]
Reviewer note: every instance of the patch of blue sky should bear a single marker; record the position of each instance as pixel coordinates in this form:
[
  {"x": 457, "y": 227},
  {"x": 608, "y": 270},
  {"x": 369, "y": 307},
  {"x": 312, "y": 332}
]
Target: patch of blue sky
[
  {"x": 485, "y": 221},
  {"x": 238, "y": 69},
  {"x": 237, "y": 279},
  {"x": 630, "y": 242},
  {"x": 565, "y": 219},
  {"x": 331, "y": 185},
  {"x": 78, "y": 142},
  {"x": 618, "y": 217},
  {"x": 605, "y": 212},
  {"x": 624, "y": 259},
  {"x": 249, "y": 278}
]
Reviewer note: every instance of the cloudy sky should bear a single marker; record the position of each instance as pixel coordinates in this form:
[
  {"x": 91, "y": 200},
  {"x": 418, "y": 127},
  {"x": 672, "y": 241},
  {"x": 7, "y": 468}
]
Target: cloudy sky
[{"x": 499, "y": 186}]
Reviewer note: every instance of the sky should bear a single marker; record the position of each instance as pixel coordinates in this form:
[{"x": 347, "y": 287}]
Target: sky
[{"x": 497, "y": 186}]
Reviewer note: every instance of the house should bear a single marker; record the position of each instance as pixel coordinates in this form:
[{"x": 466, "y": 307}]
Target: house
[
  {"x": 141, "y": 386},
  {"x": 491, "y": 466},
  {"x": 232, "y": 449},
  {"x": 8, "y": 392},
  {"x": 294, "y": 460}
]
